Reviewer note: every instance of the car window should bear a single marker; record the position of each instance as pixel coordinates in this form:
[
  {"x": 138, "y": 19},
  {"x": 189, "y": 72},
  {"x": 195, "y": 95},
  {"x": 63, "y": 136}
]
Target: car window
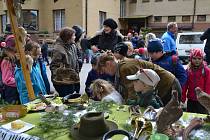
[{"x": 190, "y": 39}]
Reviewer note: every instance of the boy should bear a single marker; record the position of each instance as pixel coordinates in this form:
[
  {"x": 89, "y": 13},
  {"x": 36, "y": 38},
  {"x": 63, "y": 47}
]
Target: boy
[{"x": 145, "y": 81}]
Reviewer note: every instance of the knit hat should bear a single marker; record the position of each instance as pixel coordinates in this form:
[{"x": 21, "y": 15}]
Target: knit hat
[
  {"x": 155, "y": 45},
  {"x": 121, "y": 48},
  {"x": 110, "y": 23},
  {"x": 79, "y": 31},
  {"x": 147, "y": 76},
  {"x": 10, "y": 41},
  {"x": 196, "y": 52}
]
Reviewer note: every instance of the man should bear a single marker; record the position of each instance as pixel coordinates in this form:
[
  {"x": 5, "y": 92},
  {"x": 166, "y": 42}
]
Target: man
[
  {"x": 169, "y": 39},
  {"x": 107, "y": 38},
  {"x": 44, "y": 50},
  {"x": 206, "y": 35},
  {"x": 108, "y": 65},
  {"x": 168, "y": 62}
]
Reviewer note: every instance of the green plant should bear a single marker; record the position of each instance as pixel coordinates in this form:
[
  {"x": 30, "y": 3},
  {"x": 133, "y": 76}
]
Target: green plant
[{"x": 145, "y": 31}]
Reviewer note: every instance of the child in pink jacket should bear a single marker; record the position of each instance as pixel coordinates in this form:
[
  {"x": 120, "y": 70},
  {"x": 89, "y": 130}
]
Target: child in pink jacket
[
  {"x": 10, "y": 93},
  {"x": 198, "y": 76}
]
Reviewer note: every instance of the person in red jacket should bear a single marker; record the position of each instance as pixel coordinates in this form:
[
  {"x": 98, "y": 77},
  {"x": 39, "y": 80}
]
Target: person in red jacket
[{"x": 198, "y": 76}]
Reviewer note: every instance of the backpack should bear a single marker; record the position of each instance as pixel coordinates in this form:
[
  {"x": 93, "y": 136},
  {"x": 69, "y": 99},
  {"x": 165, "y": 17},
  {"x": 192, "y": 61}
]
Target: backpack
[{"x": 174, "y": 59}]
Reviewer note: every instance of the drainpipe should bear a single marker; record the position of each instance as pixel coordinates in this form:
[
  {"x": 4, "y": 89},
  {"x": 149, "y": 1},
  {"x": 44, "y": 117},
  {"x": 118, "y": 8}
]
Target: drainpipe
[
  {"x": 194, "y": 11},
  {"x": 86, "y": 15}
]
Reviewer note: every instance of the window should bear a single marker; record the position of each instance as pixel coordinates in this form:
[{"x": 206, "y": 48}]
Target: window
[
  {"x": 201, "y": 17},
  {"x": 158, "y": 0},
  {"x": 157, "y": 19},
  {"x": 133, "y": 1},
  {"x": 102, "y": 17},
  {"x": 3, "y": 22},
  {"x": 122, "y": 8},
  {"x": 171, "y": 18},
  {"x": 185, "y": 18},
  {"x": 190, "y": 39},
  {"x": 58, "y": 19},
  {"x": 30, "y": 19},
  {"x": 145, "y": 1}
]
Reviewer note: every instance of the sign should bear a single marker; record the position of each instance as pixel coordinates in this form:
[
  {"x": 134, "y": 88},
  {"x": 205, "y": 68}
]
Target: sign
[{"x": 8, "y": 135}]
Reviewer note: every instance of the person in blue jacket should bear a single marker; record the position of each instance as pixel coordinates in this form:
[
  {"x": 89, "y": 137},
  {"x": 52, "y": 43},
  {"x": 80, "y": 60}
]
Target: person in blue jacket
[
  {"x": 33, "y": 51},
  {"x": 166, "y": 61},
  {"x": 169, "y": 40}
]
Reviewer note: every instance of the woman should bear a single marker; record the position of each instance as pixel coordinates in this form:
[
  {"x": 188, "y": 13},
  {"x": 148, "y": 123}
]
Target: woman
[{"x": 64, "y": 66}]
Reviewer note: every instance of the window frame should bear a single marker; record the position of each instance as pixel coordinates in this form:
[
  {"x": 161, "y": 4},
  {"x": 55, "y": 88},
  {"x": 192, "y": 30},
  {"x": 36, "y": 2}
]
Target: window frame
[
  {"x": 101, "y": 19},
  {"x": 200, "y": 19},
  {"x": 37, "y": 20},
  {"x": 187, "y": 16},
  {"x": 62, "y": 22},
  {"x": 174, "y": 20},
  {"x": 3, "y": 25},
  {"x": 157, "y": 17},
  {"x": 145, "y": 1}
]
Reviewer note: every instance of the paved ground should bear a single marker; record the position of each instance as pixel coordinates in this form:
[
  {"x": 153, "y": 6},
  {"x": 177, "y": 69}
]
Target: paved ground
[{"x": 83, "y": 75}]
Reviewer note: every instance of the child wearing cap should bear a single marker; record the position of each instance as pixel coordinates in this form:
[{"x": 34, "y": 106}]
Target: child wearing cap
[
  {"x": 198, "y": 75},
  {"x": 120, "y": 51},
  {"x": 104, "y": 91},
  {"x": 145, "y": 81}
]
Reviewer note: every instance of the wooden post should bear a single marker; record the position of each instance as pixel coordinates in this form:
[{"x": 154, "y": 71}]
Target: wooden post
[{"x": 19, "y": 46}]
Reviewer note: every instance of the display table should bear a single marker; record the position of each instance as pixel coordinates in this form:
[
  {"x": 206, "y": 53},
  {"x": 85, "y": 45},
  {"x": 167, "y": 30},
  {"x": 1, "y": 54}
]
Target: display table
[{"x": 119, "y": 116}]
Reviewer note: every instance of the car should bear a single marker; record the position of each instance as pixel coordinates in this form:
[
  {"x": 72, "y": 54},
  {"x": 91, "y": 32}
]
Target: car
[{"x": 186, "y": 41}]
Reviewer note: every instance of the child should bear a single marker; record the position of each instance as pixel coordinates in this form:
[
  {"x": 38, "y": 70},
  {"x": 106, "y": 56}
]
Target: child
[
  {"x": 10, "y": 94},
  {"x": 34, "y": 51},
  {"x": 104, "y": 91},
  {"x": 93, "y": 75},
  {"x": 198, "y": 76},
  {"x": 145, "y": 81}
]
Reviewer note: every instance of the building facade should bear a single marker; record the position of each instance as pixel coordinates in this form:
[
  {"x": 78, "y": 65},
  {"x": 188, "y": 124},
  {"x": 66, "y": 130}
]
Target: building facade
[
  {"x": 47, "y": 16},
  {"x": 191, "y": 15}
]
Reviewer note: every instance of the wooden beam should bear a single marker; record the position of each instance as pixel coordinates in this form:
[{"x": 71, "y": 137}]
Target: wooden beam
[{"x": 19, "y": 44}]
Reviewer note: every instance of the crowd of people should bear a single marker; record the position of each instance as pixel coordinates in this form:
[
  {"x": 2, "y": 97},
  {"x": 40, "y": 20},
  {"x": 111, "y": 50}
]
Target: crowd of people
[{"x": 134, "y": 70}]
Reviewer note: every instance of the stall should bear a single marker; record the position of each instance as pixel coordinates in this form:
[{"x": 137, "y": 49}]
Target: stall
[{"x": 57, "y": 123}]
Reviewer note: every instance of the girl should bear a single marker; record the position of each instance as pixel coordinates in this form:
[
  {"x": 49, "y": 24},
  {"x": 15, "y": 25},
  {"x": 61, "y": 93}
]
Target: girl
[
  {"x": 104, "y": 91},
  {"x": 198, "y": 76},
  {"x": 33, "y": 51},
  {"x": 10, "y": 94}
]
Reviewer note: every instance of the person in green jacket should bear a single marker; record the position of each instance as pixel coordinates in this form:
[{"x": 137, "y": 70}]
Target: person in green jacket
[{"x": 145, "y": 81}]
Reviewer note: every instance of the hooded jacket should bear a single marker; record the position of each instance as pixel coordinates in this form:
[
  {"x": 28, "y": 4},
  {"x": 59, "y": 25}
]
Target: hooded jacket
[
  {"x": 166, "y": 62},
  {"x": 64, "y": 57},
  {"x": 36, "y": 80},
  {"x": 196, "y": 78}
]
